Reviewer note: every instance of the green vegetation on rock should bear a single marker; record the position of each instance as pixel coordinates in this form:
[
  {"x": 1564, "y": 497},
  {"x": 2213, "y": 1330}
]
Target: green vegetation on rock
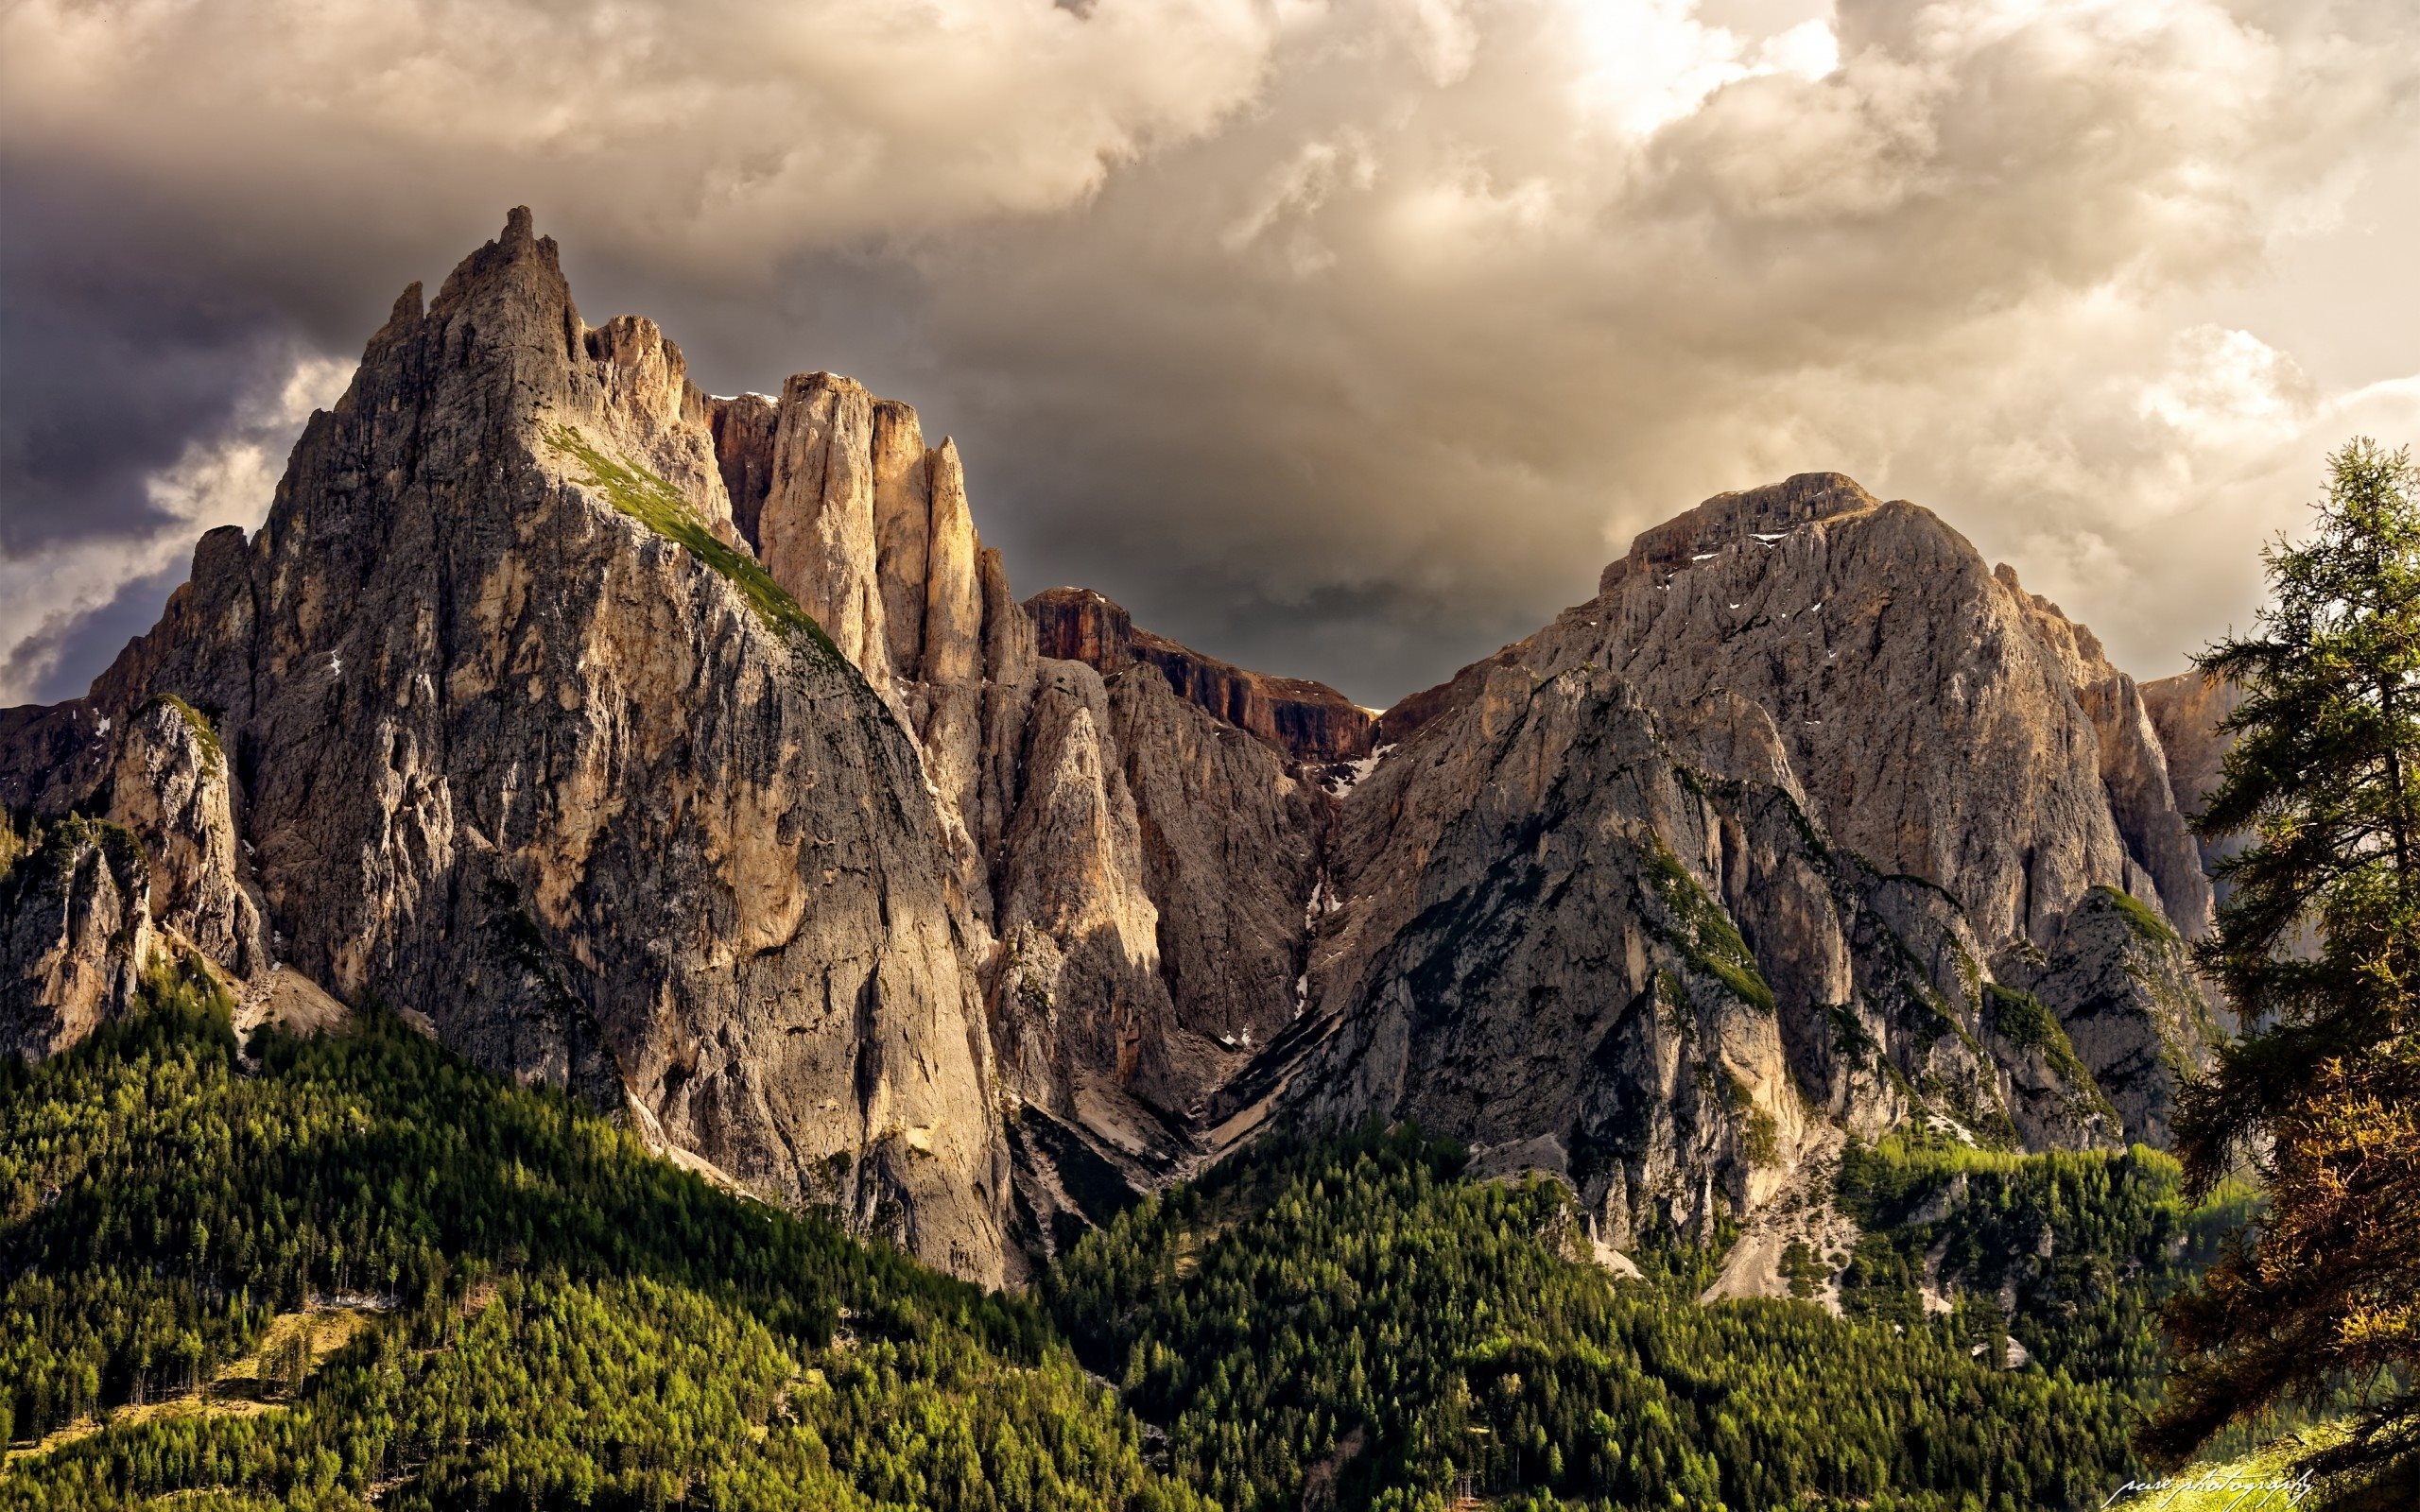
[
  {"x": 204, "y": 732},
  {"x": 43, "y": 857},
  {"x": 660, "y": 506},
  {"x": 1705, "y": 936},
  {"x": 2021, "y": 1019},
  {"x": 2141, "y": 917}
]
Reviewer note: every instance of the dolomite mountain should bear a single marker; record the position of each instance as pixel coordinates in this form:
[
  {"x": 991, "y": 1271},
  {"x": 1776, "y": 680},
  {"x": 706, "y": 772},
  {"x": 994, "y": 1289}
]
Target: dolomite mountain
[{"x": 692, "y": 753}]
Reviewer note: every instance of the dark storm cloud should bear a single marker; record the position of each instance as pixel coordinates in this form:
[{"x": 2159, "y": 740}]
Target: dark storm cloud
[
  {"x": 1340, "y": 340},
  {"x": 63, "y": 655},
  {"x": 116, "y": 356}
]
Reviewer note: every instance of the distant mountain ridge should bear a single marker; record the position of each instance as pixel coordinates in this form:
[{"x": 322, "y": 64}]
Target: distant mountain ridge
[{"x": 692, "y": 753}]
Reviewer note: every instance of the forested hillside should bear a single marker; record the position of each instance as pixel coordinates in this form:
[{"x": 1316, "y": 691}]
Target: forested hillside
[
  {"x": 353, "y": 1268},
  {"x": 2080, "y": 1249},
  {"x": 539, "y": 1312},
  {"x": 1357, "y": 1321}
]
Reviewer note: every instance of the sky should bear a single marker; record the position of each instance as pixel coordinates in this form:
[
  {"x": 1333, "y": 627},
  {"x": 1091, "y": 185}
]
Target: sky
[{"x": 1339, "y": 338}]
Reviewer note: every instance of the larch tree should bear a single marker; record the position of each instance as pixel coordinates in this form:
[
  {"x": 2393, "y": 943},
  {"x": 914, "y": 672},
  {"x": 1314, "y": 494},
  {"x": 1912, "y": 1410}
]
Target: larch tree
[{"x": 2318, "y": 947}]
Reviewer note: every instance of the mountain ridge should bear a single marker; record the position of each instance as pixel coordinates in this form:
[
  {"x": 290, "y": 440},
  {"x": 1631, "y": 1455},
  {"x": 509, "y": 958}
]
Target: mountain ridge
[{"x": 692, "y": 753}]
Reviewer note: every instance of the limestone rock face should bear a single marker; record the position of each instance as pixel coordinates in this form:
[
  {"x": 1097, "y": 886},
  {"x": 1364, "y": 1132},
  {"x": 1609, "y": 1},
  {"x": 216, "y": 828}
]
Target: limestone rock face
[
  {"x": 1585, "y": 941},
  {"x": 952, "y": 596},
  {"x": 1935, "y": 713},
  {"x": 74, "y": 933},
  {"x": 902, "y": 521},
  {"x": 51, "y": 756},
  {"x": 523, "y": 742},
  {"x": 1306, "y": 721},
  {"x": 1010, "y": 663},
  {"x": 1085, "y": 1012},
  {"x": 2122, "y": 987},
  {"x": 817, "y": 530},
  {"x": 2186, "y": 711},
  {"x": 1808, "y": 820},
  {"x": 2162, "y": 862},
  {"x": 743, "y": 428},
  {"x": 1232, "y": 843},
  {"x": 169, "y": 790},
  {"x": 642, "y": 381}
]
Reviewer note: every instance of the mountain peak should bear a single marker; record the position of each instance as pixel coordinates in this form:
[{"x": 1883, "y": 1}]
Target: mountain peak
[{"x": 1774, "y": 510}]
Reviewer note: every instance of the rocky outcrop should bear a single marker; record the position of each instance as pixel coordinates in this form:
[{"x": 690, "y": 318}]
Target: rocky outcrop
[
  {"x": 75, "y": 935},
  {"x": 2162, "y": 860},
  {"x": 1655, "y": 976},
  {"x": 1231, "y": 846},
  {"x": 1306, "y": 721},
  {"x": 51, "y": 756},
  {"x": 743, "y": 428},
  {"x": 169, "y": 791},
  {"x": 1781, "y": 797},
  {"x": 903, "y": 532},
  {"x": 2118, "y": 984},
  {"x": 527, "y": 741},
  {"x": 2188, "y": 712},
  {"x": 817, "y": 530},
  {"x": 1934, "y": 713},
  {"x": 1084, "y": 1011},
  {"x": 1521, "y": 954}
]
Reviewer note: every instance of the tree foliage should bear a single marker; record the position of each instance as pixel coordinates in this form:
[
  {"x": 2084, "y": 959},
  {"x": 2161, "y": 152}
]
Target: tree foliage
[
  {"x": 561, "y": 1318},
  {"x": 1354, "y": 1324},
  {"x": 2318, "y": 946}
]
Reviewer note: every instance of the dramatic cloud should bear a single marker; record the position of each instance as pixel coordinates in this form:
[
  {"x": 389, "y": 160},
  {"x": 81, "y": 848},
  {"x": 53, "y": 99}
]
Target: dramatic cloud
[{"x": 1345, "y": 339}]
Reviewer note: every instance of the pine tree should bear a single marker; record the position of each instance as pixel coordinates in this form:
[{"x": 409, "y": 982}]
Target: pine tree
[{"x": 2318, "y": 947}]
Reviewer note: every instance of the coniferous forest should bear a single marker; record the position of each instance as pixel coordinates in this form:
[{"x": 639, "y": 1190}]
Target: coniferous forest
[
  {"x": 549, "y": 1315},
  {"x": 354, "y": 1270}
]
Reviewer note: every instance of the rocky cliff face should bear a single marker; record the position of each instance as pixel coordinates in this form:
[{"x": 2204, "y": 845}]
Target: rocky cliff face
[
  {"x": 1304, "y": 721},
  {"x": 75, "y": 935},
  {"x": 2188, "y": 709},
  {"x": 1936, "y": 714},
  {"x": 2118, "y": 984},
  {"x": 1809, "y": 822},
  {"x": 692, "y": 753},
  {"x": 1625, "y": 952},
  {"x": 169, "y": 790},
  {"x": 522, "y": 741}
]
